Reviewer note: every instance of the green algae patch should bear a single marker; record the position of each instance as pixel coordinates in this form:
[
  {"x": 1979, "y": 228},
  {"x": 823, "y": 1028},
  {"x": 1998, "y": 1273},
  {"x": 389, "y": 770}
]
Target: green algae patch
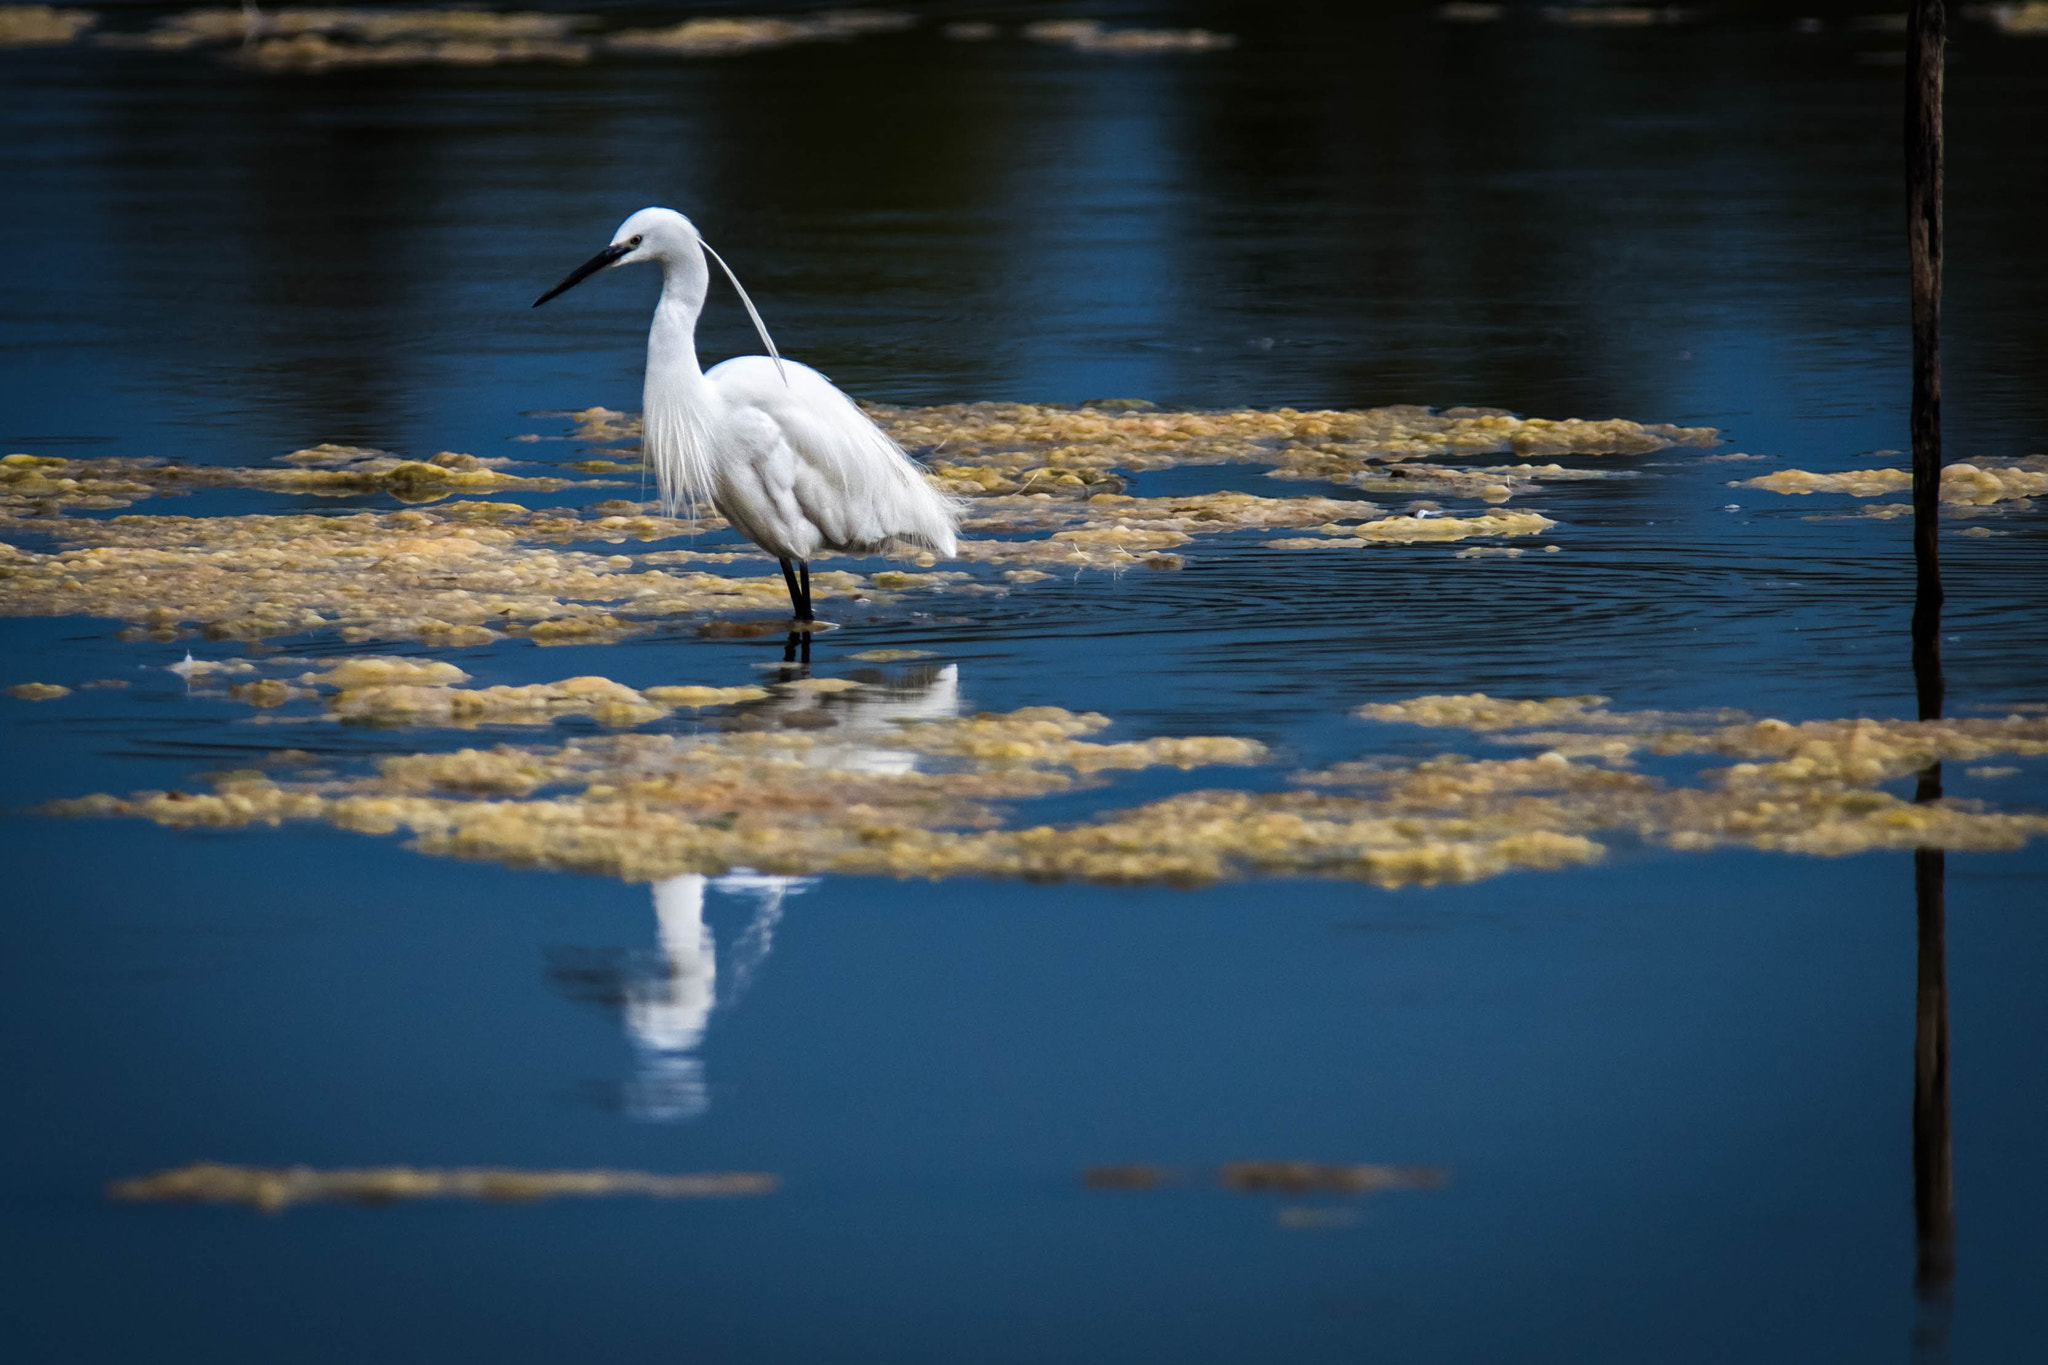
[{"x": 273, "y": 1189}]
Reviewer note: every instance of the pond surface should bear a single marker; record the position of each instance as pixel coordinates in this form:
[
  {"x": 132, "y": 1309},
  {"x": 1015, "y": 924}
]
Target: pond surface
[{"x": 1653, "y": 1102}]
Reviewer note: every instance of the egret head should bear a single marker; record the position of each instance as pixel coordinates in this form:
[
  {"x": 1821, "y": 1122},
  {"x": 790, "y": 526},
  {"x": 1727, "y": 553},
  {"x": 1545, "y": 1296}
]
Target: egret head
[
  {"x": 666, "y": 236},
  {"x": 649, "y": 235}
]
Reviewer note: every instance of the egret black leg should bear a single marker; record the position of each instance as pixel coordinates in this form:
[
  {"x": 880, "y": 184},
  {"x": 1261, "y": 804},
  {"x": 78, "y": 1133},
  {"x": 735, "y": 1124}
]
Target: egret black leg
[
  {"x": 803, "y": 568},
  {"x": 799, "y": 598}
]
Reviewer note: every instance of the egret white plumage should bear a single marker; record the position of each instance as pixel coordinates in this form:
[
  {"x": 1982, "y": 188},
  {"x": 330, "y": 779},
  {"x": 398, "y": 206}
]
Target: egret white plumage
[{"x": 771, "y": 444}]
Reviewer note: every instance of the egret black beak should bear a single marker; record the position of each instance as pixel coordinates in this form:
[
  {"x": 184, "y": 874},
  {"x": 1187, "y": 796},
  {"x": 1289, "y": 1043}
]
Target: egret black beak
[{"x": 587, "y": 269}]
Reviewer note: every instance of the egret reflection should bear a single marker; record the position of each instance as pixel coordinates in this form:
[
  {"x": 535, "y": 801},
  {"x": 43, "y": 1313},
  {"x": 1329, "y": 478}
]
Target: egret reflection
[
  {"x": 666, "y": 998},
  {"x": 668, "y": 1008}
]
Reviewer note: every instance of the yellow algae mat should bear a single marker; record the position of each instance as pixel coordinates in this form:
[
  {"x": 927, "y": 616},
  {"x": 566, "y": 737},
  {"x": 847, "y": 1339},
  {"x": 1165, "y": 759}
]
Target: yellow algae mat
[
  {"x": 869, "y": 775},
  {"x": 835, "y": 775},
  {"x": 276, "y": 1188},
  {"x": 464, "y": 565}
]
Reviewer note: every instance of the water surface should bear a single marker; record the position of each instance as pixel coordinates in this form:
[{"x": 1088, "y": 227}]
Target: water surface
[{"x": 1672, "y": 1091}]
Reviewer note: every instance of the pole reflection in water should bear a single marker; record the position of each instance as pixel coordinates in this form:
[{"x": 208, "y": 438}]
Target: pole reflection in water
[
  {"x": 667, "y": 999},
  {"x": 1934, "y": 1211}
]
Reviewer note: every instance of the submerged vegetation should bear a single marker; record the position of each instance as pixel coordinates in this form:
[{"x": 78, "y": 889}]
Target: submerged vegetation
[{"x": 275, "y": 1189}]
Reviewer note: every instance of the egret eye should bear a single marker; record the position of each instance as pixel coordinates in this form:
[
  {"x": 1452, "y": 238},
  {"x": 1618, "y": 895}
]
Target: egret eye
[{"x": 633, "y": 241}]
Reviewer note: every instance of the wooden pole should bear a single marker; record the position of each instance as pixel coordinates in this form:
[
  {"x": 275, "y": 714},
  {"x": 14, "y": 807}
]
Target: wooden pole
[
  {"x": 1926, "y": 52},
  {"x": 1934, "y": 1217}
]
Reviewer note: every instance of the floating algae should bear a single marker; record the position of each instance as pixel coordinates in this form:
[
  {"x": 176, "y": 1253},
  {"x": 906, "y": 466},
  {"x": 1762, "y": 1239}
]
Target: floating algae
[
  {"x": 42, "y": 25},
  {"x": 316, "y": 39},
  {"x": 772, "y": 791},
  {"x": 697, "y": 697},
  {"x": 1309, "y": 1177},
  {"x": 1025, "y": 467},
  {"x": 1112, "y": 531},
  {"x": 2027, "y": 19},
  {"x": 1860, "y": 751},
  {"x": 276, "y": 1188},
  {"x": 1470, "y": 12},
  {"x": 1962, "y": 483},
  {"x": 385, "y": 671},
  {"x": 1314, "y": 444},
  {"x": 1804, "y": 788},
  {"x": 1091, "y": 35},
  {"x": 1494, "y": 483},
  {"x": 601, "y": 699},
  {"x": 465, "y": 571},
  {"x": 380, "y": 690},
  {"x": 1274, "y": 1177},
  {"x": 647, "y": 806},
  {"x": 1413, "y": 530},
  {"x": 38, "y": 691},
  {"x": 1194, "y": 514},
  {"x": 462, "y": 574},
  {"x": 729, "y": 37},
  {"x": 1615, "y": 16},
  {"x": 40, "y": 485},
  {"x": 1016, "y": 442},
  {"x": 1477, "y": 711}
]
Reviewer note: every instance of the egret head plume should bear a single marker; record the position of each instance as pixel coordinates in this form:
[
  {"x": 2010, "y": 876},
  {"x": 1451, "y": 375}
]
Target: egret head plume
[{"x": 759, "y": 326}]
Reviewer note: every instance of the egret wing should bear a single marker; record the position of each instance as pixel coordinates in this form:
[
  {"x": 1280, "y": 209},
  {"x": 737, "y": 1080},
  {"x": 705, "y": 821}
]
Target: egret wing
[{"x": 852, "y": 483}]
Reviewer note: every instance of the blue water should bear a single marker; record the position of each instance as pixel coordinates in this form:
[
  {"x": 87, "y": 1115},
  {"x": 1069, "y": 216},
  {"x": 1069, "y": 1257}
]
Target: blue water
[{"x": 1672, "y": 1093}]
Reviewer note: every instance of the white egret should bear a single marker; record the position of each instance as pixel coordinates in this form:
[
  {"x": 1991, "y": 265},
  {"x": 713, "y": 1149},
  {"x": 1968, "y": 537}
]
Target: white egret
[{"x": 772, "y": 445}]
